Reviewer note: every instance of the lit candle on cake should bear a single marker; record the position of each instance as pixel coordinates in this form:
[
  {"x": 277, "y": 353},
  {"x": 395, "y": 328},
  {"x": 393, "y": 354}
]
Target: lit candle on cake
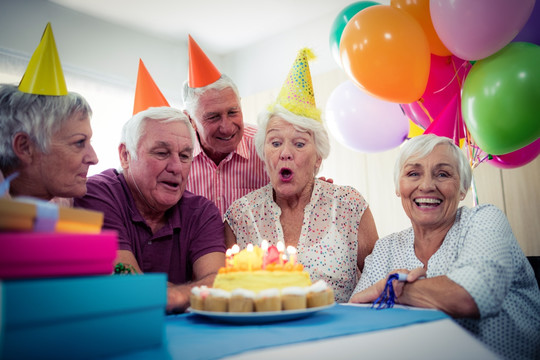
[
  {"x": 249, "y": 249},
  {"x": 228, "y": 258},
  {"x": 281, "y": 248},
  {"x": 234, "y": 250},
  {"x": 291, "y": 250}
]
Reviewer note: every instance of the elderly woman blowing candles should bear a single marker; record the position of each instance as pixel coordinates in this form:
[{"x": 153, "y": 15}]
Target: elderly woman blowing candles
[
  {"x": 331, "y": 226},
  {"x": 465, "y": 262}
]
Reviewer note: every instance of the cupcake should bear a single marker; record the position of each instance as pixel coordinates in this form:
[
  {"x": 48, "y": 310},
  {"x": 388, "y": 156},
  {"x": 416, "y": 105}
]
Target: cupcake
[
  {"x": 242, "y": 300},
  {"x": 268, "y": 300},
  {"x": 197, "y": 296},
  {"x": 293, "y": 298},
  {"x": 217, "y": 300},
  {"x": 319, "y": 294}
]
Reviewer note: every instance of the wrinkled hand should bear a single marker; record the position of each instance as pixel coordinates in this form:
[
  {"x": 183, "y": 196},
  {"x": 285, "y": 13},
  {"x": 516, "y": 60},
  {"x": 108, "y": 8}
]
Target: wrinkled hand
[
  {"x": 372, "y": 293},
  {"x": 177, "y": 299}
]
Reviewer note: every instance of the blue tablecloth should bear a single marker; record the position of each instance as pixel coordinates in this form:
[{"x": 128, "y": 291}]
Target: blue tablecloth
[{"x": 191, "y": 336}]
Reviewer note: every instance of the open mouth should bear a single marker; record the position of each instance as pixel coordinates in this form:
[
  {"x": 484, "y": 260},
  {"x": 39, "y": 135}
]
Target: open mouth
[
  {"x": 427, "y": 202},
  {"x": 171, "y": 184},
  {"x": 285, "y": 174}
]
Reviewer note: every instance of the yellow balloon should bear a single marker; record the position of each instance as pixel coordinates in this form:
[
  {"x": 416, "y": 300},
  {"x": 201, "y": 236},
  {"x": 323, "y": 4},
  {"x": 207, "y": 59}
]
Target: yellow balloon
[{"x": 414, "y": 130}]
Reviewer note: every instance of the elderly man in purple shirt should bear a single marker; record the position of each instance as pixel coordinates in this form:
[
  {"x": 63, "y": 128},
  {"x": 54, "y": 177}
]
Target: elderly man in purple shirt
[{"x": 161, "y": 227}]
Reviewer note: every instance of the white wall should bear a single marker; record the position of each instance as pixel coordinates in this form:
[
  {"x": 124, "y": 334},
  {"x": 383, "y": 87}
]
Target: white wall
[
  {"x": 95, "y": 47},
  {"x": 112, "y": 52}
]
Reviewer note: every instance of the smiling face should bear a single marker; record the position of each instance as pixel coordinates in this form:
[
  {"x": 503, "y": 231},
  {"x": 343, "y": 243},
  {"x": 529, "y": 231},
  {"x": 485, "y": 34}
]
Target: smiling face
[
  {"x": 62, "y": 171},
  {"x": 219, "y": 123},
  {"x": 158, "y": 177},
  {"x": 429, "y": 188},
  {"x": 291, "y": 158}
]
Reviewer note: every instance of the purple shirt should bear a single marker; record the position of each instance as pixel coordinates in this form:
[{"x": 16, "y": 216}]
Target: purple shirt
[{"x": 194, "y": 227}]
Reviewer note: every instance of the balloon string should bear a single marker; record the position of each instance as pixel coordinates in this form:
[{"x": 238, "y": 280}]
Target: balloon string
[
  {"x": 419, "y": 102},
  {"x": 456, "y": 76}
]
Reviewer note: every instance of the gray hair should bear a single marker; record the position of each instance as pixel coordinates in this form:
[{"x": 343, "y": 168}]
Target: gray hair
[
  {"x": 301, "y": 123},
  {"x": 422, "y": 145},
  {"x": 39, "y": 116},
  {"x": 190, "y": 96},
  {"x": 132, "y": 130}
]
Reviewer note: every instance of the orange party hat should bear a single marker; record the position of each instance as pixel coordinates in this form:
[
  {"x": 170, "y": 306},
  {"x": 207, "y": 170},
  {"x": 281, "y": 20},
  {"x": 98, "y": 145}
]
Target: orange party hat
[
  {"x": 297, "y": 94},
  {"x": 44, "y": 75},
  {"x": 202, "y": 71},
  {"x": 147, "y": 94}
]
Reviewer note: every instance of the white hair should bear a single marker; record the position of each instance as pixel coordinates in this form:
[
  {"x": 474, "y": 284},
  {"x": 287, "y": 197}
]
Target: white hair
[
  {"x": 301, "y": 123},
  {"x": 422, "y": 145},
  {"x": 191, "y": 96},
  {"x": 132, "y": 130}
]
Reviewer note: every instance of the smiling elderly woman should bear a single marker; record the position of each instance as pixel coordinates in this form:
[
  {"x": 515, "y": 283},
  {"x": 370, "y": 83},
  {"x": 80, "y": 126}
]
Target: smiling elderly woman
[
  {"x": 465, "y": 262},
  {"x": 331, "y": 226}
]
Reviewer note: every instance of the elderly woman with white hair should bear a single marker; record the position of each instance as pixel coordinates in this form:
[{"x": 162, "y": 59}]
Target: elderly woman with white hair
[
  {"x": 331, "y": 226},
  {"x": 463, "y": 261}
]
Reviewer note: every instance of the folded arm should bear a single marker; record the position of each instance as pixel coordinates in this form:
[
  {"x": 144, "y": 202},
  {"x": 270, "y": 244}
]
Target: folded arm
[{"x": 438, "y": 292}]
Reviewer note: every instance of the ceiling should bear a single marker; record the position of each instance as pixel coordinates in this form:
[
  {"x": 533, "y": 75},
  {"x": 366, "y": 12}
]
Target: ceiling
[{"x": 221, "y": 26}]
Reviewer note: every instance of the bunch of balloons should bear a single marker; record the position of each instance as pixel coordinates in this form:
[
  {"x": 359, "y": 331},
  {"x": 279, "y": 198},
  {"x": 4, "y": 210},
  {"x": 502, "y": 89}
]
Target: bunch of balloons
[{"x": 468, "y": 70}]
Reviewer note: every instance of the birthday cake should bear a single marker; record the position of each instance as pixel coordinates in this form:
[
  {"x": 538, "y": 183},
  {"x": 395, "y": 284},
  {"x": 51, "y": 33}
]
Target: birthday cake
[{"x": 261, "y": 279}]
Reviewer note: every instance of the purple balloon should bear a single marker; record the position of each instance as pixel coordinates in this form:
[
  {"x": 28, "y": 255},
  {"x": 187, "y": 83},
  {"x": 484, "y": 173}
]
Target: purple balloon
[
  {"x": 531, "y": 30},
  {"x": 476, "y": 29},
  {"x": 363, "y": 122}
]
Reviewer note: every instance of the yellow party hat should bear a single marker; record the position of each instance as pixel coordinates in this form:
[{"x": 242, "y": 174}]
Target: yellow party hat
[
  {"x": 44, "y": 75},
  {"x": 297, "y": 94}
]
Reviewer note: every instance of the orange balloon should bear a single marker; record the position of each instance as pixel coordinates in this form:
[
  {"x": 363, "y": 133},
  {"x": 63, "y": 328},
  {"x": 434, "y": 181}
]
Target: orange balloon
[
  {"x": 386, "y": 53},
  {"x": 419, "y": 9}
]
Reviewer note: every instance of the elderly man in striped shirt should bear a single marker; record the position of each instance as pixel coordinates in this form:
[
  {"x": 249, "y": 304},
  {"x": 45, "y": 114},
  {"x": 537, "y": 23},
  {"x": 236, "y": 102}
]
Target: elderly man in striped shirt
[{"x": 225, "y": 163}]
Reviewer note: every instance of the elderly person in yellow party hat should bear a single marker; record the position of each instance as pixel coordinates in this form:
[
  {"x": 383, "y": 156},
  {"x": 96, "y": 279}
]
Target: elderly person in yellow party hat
[
  {"x": 225, "y": 162},
  {"x": 45, "y": 132},
  {"x": 331, "y": 226}
]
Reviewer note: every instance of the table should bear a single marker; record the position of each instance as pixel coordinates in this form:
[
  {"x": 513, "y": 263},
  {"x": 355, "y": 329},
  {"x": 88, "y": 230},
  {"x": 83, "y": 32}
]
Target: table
[
  {"x": 441, "y": 340},
  {"x": 344, "y": 331}
]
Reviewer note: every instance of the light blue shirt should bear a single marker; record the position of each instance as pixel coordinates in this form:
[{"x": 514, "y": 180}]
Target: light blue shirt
[{"x": 481, "y": 254}]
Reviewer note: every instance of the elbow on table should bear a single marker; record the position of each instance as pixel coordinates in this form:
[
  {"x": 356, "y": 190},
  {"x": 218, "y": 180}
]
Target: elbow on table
[{"x": 465, "y": 308}]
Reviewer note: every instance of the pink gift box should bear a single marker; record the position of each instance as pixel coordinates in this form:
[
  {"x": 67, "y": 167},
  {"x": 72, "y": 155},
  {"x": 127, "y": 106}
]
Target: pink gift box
[{"x": 34, "y": 255}]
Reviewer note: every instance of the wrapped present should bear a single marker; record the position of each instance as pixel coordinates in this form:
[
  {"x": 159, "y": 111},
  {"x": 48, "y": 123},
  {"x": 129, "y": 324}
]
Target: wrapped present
[
  {"x": 82, "y": 317},
  {"x": 34, "y": 254},
  {"x": 31, "y": 214}
]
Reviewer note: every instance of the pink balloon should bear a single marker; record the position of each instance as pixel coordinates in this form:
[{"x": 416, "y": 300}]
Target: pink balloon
[
  {"x": 517, "y": 158},
  {"x": 363, "y": 122},
  {"x": 449, "y": 123},
  {"x": 475, "y": 29},
  {"x": 446, "y": 76}
]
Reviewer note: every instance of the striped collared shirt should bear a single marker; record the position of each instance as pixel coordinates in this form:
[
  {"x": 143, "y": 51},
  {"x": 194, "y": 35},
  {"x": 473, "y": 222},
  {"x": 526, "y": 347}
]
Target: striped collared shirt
[{"x": 241, "y": 172}]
